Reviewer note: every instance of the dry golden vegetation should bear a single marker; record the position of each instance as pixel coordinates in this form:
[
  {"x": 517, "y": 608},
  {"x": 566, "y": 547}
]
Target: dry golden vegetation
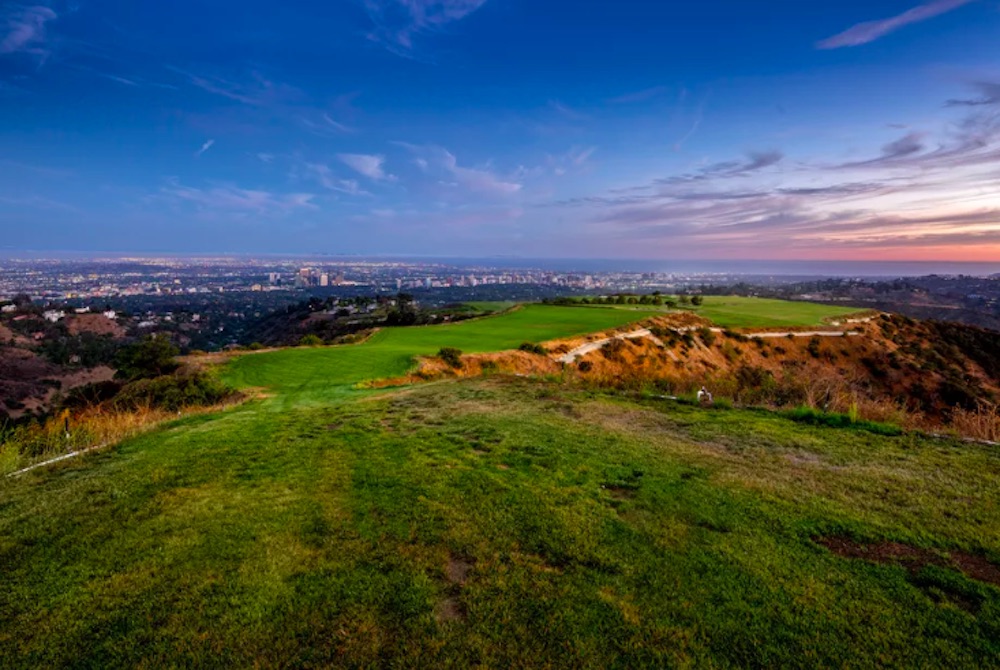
[{"x": 893, "y": 370}]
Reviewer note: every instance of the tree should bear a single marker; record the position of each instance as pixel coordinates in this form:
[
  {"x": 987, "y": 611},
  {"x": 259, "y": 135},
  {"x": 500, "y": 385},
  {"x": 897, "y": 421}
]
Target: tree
[
  {"x": 152, "y": 356},
  {"x": 697, "y": 301}
]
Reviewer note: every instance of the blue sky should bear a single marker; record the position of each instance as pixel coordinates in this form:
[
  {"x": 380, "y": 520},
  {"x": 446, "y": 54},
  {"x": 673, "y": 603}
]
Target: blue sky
[{"x": 633, "y": 129}]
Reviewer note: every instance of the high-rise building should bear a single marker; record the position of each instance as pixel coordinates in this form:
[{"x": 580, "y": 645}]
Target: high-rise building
[{"x": 324, "y": 280}]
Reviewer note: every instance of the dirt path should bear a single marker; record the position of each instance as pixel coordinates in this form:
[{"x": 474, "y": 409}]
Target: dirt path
[{"x": 585, "y": 349}]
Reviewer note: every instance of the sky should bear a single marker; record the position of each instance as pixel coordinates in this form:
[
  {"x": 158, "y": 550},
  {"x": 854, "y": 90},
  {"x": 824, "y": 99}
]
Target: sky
[{"x": 719, "y": 129}]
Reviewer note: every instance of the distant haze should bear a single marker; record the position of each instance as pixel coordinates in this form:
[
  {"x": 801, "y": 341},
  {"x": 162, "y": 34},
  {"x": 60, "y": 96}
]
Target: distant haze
[{"x": 758, "y": 268}]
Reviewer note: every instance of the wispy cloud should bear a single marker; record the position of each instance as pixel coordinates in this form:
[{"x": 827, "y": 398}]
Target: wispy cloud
[
  {"x": 437, "y": 161},
  {"x": 989, "y": 95},
  {"x": 256, "y": 90},
  {"x": 560, "y": 165},
  {"x": 323, "y": 125},
  {"x": 919, "y": 191},
  {"x": 398, "y": 22},
  {"x": 24, "y": 30},
  {"x": 567, "y": 111},
  {"x": 754, "y": 162},
  {"x": 328, "y": 180},
  {"x": 235, "y": 200},
  {"x": 371, "y": 166},
  {"x": 204, "y": 147},
  {"x": 125, "y": 79},
  {"x": 863, "y": 33},
  {"x": 697, "y": 117}
]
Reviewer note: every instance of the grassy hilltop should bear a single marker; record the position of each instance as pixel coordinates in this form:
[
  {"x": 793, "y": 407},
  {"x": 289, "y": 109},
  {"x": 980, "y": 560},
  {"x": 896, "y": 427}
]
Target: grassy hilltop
[
  {"x": 499, "y": 522},
  {"x": 322, "y": 374}
]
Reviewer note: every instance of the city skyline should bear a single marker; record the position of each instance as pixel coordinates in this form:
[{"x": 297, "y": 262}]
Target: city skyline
[{"x": 845, "y": 131}]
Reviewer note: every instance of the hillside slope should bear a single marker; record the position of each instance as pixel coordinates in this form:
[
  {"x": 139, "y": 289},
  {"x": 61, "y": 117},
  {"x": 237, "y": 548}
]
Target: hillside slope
[
  {"x": 504, "y": 523},
  {"x": 560, "y": 520}
]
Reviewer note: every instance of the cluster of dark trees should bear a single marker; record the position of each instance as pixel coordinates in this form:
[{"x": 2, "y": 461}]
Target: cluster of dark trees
[{"x": 656, "y": 299}]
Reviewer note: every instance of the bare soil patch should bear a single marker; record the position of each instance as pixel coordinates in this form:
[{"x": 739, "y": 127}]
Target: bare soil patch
[
  {"x": 458, "y": 570},
  {"x": 449, "y": 609},
  {"x": 98, "y": 324},
  {"x": 914, "y": 559},
  {"x": 619, "y": 492}
]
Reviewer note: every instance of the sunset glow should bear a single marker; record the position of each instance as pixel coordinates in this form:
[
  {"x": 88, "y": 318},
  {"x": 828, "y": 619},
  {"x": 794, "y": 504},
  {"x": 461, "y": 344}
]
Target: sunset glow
[{"x": 471, "y": 128}]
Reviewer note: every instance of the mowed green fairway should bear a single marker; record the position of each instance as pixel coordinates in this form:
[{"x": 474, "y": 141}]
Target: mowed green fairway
[
  {"x": 740, "y": 312},
  {"x": 498, "y": 523},
  {"x": 305, "y": 375}
]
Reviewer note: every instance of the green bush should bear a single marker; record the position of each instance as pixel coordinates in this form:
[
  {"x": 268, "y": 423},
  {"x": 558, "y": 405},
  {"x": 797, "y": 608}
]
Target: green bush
[
  {"x": 152, "y": 356},
  {"x": 813, "y": 347},
  {"x": 532, "y": 348},
  {"x": 172, "y": 392},
  {"x": 311, "y": 341},
  {"x": 451, "y": 356}
]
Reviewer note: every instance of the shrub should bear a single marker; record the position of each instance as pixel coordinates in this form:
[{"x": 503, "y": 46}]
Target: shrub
[
  {"x": 532, "y": 348},
  {"x": 451, "y": 356},
  {"x": 697, "y": 301},
  {"x": 731, "y": 352},
  {"x": 585, "y": 366},
  {"x": 91, "y": 395},
  {"x": 612, "y": 350},
  {"x": 152, "y": 356},
  {"x": 813, "y": 347},
  {"x": 172, "y": 393},
  {"x": 310, "y": 341}
]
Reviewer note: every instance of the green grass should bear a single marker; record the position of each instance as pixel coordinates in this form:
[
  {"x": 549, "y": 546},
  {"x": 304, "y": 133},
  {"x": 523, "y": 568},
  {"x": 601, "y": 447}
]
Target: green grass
[
  {"x": 740, "y": 312},
  {"x": 491, "y": 305},
  {"x": 493, "y": 523},
  {"x": 497, "y": 523},
  {"x": 319, "y": 375}
]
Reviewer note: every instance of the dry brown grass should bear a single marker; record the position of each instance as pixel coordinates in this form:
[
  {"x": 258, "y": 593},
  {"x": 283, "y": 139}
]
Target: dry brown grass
[
  {"x": 93, "y": 428},
  {"x": 980, "y": 424}
]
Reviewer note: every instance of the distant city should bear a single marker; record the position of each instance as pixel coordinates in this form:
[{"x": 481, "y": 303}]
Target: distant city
[{"x": 63, "y": 279}]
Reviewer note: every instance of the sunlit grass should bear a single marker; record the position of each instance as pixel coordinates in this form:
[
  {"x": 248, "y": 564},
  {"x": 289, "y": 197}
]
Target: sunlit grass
[
  {"x": 495, "y": 523},
  {"x": 740, "y": 312}
]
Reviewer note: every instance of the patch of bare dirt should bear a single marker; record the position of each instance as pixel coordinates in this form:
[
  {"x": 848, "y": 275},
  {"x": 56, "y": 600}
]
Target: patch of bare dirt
[
  {"x": 449, "y": 609},
  {"x": 458, "y": 570},
  {"x": 914, "y": 559},
  {"x": 621, "y": 492},
  {"x": 98, "y": 324},
  {"x": 977, "y": 567},
  {"x": 101, "y": 373}
]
